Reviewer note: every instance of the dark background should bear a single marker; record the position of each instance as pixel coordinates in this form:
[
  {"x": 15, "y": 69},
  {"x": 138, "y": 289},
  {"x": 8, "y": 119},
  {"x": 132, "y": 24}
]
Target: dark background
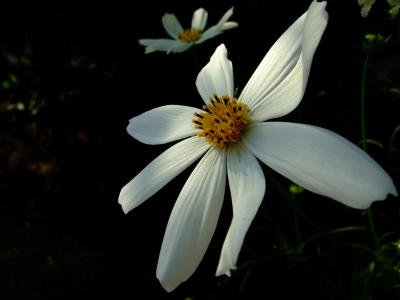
[{"x": 72, "y": 76}]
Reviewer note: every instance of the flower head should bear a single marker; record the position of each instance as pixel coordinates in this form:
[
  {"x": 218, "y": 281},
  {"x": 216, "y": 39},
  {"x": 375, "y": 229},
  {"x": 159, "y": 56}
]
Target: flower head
[
  {"x": 183, "y": 39},
  {"x": 374, "y": 43},
  {"x": 231, "y": 134}
]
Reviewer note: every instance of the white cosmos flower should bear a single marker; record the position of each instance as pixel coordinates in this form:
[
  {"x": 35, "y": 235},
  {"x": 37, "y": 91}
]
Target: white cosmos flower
[
  {"x": 315, "y": 158},
  {"x": 183, "y": 39}
]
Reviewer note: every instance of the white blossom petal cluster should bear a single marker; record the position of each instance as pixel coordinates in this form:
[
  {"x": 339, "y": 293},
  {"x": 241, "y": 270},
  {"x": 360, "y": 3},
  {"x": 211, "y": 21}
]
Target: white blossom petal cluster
[
  {"x": 174, "y": 29},
  {"x": 312, "y": 157}
]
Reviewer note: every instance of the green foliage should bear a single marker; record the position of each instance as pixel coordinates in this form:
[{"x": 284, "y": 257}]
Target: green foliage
[
  {"x": 374, "y": 43},
  {"x": 34, "y": 259}
]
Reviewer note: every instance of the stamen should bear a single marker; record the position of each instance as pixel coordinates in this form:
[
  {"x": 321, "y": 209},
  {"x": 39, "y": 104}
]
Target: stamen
[
  {"x": 197, "y": 115},
  {"x": 197, "y": 122},
  {"x": 223, "y": 121}
]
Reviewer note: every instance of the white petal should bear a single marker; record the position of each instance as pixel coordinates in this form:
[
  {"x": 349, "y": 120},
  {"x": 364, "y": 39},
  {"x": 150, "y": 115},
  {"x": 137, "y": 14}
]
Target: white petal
[
  {"x": 208, "y": 34},
  {"x": 193, "y": 220},
  {"x": 199, "y": 19},
  {"x": 320, "y": 161},
  {"x": 157, "y": 44},
  {"x": 161, "y": 171},
  {"x": 247, "y": 184},
  {"x": 171, "y": 25},
  {"x": 278, "y": 84},
  {"x": 216, "y": 76},
  {"x": 165, "y": 45},
  {"x": 163, "y": 124},
  {"x": 179, "y": 47},
  {"x": 216, "y": 29},
  {"x": 229, "y": 25}
]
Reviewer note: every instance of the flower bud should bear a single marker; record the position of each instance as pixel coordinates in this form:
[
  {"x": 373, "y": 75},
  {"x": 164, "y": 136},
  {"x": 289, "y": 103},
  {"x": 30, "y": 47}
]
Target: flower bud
[
  {"x": 295, "y": 189},
  {"x": 374, "y": 43}
]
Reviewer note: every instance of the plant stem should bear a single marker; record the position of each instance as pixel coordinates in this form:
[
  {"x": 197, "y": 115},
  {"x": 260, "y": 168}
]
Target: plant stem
[
  {"x": 380, "y": 253},
  {"x": 196, "y": 61},
  {"x": 375, "y": 236},
  {"x": 364, "y": 145},
  {"x": 363, "y": 129},
  {"x": 282, "y": 190},
  {"x": 398, "y": 22}
]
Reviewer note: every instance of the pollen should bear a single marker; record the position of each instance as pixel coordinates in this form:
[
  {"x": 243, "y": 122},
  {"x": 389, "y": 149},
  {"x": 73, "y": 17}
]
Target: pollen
[
  {"x": 224, "y": 121},
  {"x": 189, "y": 35}
]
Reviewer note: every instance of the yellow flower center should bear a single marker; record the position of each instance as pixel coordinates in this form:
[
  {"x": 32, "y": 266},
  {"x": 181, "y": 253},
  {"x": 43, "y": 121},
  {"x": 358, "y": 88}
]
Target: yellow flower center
[
  {"x": 224, "y": 122},
  {"x": 189, "y": 35}
]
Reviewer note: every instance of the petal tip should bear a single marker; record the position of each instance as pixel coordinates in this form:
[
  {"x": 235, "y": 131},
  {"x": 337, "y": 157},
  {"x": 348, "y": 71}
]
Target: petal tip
[
  {"x": 224, "y": 272},
  {"x": 166, "y": 287},
  {"x": 122, "y": 202},
  {"x": 168, "y": 282},
  {"x": 221, "y": 269},
  {"x": 222, "y": 48},
  {"x": 393, "y": 190}
]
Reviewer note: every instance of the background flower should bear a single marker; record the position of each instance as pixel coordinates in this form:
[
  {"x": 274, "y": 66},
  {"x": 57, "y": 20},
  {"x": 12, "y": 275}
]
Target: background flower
[{"x": 183, "y": 39}]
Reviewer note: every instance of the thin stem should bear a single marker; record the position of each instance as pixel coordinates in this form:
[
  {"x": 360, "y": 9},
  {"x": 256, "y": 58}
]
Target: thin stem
[
  {"x": 392, "y": 138},
  {"x": 375, "y": 236},
  {"x": 270, "y": 218},
  {"x": 296, "y": 226},
  {"x": 196, "y": 61},
  {"x": 398, "y": 22},
  {"x": 363, "y": 129},
  {"x": 380, "y": 253},
  {"x": 278, "y": 185}
]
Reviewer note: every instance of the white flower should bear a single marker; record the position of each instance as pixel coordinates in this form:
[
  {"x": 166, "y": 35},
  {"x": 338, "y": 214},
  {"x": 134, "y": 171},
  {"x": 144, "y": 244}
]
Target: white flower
[
  {"x": 184, "y": 39},
  {"x": 315, "y": 158},
  {"x": 366, "y": 6}
]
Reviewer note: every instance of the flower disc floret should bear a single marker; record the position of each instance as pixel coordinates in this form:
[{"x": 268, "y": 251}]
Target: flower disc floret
[
  {"x": 189, "y": 35},
  {"x": 224, "y": 122}
]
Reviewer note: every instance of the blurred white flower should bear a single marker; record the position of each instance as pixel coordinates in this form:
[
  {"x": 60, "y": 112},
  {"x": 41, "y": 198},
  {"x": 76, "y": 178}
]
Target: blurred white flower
[
  {"x": 231, "y": 134},
  {"x": 366, "y": 6},
  {"x": 183, "y": 39}
]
